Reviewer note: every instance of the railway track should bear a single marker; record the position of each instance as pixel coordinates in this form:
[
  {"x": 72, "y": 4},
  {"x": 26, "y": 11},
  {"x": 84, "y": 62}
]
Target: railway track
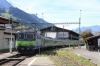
[
  {"x": 13, "y": 60},
  {"x": 64, "y": 61}
]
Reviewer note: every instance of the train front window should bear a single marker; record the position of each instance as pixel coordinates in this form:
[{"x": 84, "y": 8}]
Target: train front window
[
  {"x": 30, "y": 36},
  {"x": 21, "y": 35}
]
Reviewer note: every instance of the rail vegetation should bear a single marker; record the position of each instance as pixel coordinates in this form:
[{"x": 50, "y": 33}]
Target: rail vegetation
[{"x": 65, "y": 57}]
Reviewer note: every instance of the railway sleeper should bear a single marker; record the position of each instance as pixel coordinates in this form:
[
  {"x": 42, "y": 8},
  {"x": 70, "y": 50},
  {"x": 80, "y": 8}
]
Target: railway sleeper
[{"x": 3, "y": 61}]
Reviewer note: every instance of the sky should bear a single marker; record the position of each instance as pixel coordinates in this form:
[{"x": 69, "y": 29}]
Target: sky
[{"x": 61, "y": 11}]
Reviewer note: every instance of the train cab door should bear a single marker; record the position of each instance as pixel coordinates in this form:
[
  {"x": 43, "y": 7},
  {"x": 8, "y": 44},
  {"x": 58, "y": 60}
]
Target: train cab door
[{"x": 38, "y": 40}]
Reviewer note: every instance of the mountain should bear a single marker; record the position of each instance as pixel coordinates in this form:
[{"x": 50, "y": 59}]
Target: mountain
[
  {"x": 5, "y": 4},
  {"x": 30, "y": 18},
  {"x": 94, "y": 28},
  {"x": 7, "y": 10}
]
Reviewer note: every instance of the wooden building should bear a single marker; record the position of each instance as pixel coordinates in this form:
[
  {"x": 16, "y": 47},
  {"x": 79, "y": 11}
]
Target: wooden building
[
  {"x": 59, "y": 33},
  {"x": 92, "y": 43}
]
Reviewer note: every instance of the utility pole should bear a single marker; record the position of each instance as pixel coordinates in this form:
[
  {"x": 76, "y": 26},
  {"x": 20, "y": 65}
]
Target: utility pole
[
  {"x": 37, "y": 35},
  {"x": 11, "y": 21},
  {"x": 63, "y": 32},
  {"x": 80, "y": 25},
  {"x": 42, "y": 15},
  {"x": 80, "y": 22},
  {"x": 44, "y": 24}
]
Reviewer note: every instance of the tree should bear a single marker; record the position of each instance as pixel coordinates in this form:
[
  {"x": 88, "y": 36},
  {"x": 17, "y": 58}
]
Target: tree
[{"x": 86, "y": 34}]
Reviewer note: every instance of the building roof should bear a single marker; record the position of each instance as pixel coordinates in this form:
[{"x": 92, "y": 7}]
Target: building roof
[
  {"x": 60, "y": 29},
  {"x": 93, "y": 37},
  {"x": 96, "y": 33},
  {"x": 5, "y": 20}
]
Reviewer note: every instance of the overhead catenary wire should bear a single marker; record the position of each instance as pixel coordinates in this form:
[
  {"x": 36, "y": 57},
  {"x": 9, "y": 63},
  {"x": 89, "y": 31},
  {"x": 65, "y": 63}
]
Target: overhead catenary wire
[
  {"x": 53, "y": 23},
  {"x": 25, "y": 5},
  {"x": 16, "y": 6}
]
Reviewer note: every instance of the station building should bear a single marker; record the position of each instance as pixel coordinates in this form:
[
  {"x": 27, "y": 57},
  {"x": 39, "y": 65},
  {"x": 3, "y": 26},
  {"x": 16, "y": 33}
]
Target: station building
[{"x": 93, "y": 42}]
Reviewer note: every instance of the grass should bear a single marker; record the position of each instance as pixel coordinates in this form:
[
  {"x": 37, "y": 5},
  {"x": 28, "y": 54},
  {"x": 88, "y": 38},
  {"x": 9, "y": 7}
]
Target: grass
[
  {"x": 80, "y": 59},
  {"x": 66, "y": 56}
]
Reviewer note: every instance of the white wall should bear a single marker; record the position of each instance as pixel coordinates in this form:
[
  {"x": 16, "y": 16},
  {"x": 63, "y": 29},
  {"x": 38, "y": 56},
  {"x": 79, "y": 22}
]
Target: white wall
[
  {"x": 4, "y": 44},
  {"x": 56, "y": 34},
  {"x": 7, "y": 43},
  {"x": 1, "y": 39},
  {"x": 51, "y": 34}
]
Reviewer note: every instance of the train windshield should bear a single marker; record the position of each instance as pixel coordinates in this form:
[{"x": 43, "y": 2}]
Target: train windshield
[
  {"x": 20, "y": 36},
  {"x": 30, "y": 36}
]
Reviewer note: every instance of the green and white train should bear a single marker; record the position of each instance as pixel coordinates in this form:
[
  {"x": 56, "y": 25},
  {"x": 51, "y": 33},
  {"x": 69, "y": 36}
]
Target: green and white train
[{"x": 29, "y": 41}]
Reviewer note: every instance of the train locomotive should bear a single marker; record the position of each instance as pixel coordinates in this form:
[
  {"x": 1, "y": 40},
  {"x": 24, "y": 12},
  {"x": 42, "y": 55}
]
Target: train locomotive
[{"x": 29, "y": 41}]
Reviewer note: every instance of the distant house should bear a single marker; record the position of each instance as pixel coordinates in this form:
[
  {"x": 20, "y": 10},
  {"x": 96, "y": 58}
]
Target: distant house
[{"x": 59, "y": 33}]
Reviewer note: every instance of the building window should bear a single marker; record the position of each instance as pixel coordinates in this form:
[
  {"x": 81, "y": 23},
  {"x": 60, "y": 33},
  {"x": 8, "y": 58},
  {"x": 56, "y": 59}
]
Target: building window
[{"x": 6, "y": 39}]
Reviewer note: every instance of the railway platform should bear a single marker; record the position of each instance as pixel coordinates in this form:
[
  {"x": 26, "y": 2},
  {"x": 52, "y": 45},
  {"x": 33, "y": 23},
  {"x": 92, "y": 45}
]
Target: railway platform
[
  {"x": 5, "y": 55},
  {"x": 37, "y": 61},
  {"x": 92, "y": 56}
]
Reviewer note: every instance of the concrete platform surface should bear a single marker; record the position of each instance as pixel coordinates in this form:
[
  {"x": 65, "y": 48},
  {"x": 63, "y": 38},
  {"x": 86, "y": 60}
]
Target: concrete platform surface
[
  {"x": 5, "y": 55},
  {"x": 37, "y": 61},
  {"x": 90, "y": 55}
]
